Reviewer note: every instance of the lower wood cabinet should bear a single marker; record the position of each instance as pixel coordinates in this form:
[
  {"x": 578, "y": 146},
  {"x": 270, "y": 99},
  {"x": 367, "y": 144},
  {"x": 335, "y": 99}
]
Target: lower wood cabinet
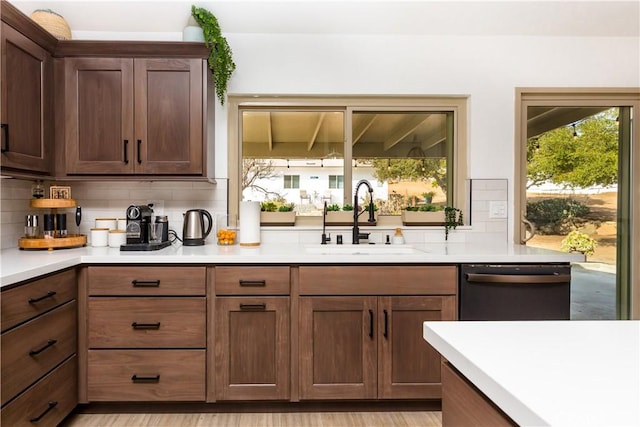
[
  {"x": 464, "y": 405},
  {"x": 252, "y": 333},
  {"x": 338, "y": 348},
  {"x": 353, "y": 345},
  {"x": 48, "y": 401},
  {"x": 252, "y": 348},
  {"x": 146, "y": 375},
  {"x": 146, "y": 334},
  {"x": 38, "y": 343}
]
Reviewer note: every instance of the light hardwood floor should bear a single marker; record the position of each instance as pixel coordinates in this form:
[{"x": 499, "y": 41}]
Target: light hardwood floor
[{"x": 298, "y": 419}]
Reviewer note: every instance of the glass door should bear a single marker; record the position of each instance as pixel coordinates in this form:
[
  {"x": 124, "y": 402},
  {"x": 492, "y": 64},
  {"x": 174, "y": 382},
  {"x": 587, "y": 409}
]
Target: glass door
[{"x": 576, "y": 193}]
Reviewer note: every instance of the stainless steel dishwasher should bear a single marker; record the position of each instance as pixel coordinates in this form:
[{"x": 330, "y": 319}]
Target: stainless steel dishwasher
[{"x": 514, "y": 292}]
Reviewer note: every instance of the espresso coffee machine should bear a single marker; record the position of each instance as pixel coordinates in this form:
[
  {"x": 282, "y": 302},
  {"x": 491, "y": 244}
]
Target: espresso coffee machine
[
  {"x": 138, "y": 220},
  {"x": 139, "y": 236}
]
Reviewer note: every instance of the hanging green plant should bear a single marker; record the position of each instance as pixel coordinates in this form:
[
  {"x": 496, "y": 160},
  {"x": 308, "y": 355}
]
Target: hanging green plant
[
  {"x": 452, "y": 219},
  {"x": 220, "y": 58}
]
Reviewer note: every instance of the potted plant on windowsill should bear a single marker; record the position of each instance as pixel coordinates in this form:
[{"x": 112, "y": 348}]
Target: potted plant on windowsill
[
  {"x": 423, "y": 215},
  {"x": 337, "y": 215},
  {"x": 428, "y": 197},
  {"x": 277, "y": 213},
  {"x": 452, "y": 219}
]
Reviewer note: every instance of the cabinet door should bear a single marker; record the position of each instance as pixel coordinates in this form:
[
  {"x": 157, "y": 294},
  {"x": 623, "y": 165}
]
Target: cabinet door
[
  {"x": 252, "y": 348},
  {"x": 409, "y": 368},
  {"x": 99, "y": 115},
  {"x": 27, "y": 125},
  {"x": 169, "y": 122},
  {"x": 337, "y": 348}
]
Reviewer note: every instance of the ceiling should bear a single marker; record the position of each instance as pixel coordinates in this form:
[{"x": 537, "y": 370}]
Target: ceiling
[
  {"x": 320, "y": 134},
  {"x": 397, "y": 17}
]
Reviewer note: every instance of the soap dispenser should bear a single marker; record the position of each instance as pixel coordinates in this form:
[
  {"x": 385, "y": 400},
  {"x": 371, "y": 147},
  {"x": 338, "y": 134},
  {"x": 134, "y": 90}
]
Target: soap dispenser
[{"x": 398, "y": 238}]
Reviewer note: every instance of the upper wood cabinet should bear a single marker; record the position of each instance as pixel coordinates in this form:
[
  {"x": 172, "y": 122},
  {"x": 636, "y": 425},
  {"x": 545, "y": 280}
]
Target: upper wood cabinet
[
  {"x": 27, "y": 88},
  {"x": 140, "y": 116}
]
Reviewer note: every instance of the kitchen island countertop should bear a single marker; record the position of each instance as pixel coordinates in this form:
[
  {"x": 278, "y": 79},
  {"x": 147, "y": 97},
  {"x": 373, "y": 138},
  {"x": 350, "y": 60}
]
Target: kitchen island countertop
[
  {"x": 549, "y": 373},
  {"x": 19, "y": 265}
]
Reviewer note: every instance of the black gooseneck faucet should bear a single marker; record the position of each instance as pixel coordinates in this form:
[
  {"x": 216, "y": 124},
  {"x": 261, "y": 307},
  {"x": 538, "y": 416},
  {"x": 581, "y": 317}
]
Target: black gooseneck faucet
[
  {"x": 356, "y": 230},
  {"x": 325, "y": 238}
]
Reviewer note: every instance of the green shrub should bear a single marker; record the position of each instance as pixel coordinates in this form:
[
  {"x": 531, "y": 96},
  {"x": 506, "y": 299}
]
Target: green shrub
[
  {"x": 333, "y": 208},
  {"x": 276, "y": 206},
  {"x": 424, "y": 208},
  {"x": 557, "y": 215},
  {"x": 577, "y": 241}
]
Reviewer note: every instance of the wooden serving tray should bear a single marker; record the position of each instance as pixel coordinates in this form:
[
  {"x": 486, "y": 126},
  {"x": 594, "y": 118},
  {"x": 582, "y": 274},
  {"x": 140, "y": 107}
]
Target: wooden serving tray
[
  {"x": 71, "y": 241},
  {"x": 53, "y": 203}
]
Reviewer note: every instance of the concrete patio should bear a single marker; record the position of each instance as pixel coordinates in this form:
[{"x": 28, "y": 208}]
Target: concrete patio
[{"x": 593, "y": 291}]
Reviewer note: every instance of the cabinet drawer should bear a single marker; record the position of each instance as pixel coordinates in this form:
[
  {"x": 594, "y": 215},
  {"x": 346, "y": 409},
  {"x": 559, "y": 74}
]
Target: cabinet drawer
[
  {"x": 27, "y": 301},
  {"x": 252, "y": 280},
  {"x": 146, "y": 375},
  {"x": 379, "y": 280},
  {"x": 147, "y": 280},
  {"x": 31, "y": 350},
  {"x": 47, "y": 402},
  {"x": 147, "y": 322}
]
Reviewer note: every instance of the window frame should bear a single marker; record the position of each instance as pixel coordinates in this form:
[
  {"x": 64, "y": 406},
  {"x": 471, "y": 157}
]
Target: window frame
[
  {"x": 458, "y": 104},
  {"x": 293, "y": 179},
  {"x": 337, "y": 182}
]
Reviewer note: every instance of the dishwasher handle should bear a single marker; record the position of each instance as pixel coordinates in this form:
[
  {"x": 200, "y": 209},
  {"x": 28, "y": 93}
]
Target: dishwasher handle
[{"x": 519, "y": 279}]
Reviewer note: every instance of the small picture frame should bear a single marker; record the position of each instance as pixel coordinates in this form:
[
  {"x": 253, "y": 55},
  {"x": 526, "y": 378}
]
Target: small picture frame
[{"x": 60, "y": 192}]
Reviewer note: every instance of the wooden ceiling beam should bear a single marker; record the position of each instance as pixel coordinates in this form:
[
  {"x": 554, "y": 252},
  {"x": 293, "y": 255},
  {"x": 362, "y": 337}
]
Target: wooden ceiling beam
[
  {"x": 312, "y": 140},
  {"x": 405, "y": 129},
  {"x": 362, "y": 127}
]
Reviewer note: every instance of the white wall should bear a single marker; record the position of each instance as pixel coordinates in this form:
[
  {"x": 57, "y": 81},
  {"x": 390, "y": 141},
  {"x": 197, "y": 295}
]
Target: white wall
[{"x": 487, "y": 69}]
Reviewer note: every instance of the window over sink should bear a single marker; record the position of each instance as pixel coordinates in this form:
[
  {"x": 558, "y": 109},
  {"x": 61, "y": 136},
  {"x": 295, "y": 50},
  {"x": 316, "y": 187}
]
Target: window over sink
[{"x": 313, "y": 150}]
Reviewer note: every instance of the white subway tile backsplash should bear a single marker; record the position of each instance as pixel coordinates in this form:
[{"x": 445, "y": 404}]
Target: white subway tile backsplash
[{"x": 111, "y": 199}]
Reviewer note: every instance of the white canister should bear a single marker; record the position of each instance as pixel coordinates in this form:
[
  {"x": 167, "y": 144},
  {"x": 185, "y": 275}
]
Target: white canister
[
  {"x": 122, "y": 224},
  {"x": 99, "y": 237},
  {"x": 117, "y": 238},
  {"x": 108, "y": 223}
]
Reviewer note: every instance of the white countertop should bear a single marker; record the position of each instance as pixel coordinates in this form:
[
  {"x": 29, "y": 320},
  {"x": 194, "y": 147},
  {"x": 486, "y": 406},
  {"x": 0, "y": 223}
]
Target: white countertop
[
  {"x": 549, "y": 373},
  {"x": 18, "y": 265}
]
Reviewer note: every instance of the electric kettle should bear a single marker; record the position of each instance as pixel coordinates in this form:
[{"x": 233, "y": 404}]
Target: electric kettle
[{"x": 193, "y": 231}]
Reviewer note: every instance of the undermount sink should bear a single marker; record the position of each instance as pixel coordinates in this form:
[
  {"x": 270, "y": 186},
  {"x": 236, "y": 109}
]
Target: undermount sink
[{"x": 363, "y": 249}]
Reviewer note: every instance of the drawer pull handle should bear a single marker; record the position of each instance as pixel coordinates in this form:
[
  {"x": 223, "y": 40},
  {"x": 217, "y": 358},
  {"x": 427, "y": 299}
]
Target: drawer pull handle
[
  {"x": 52, "y": 404},
  {"x": 253, "y": 307},
  {"x": 371, "y": 324},
  {"x": 5, "y": 146},
  {"x": 153, "y": 379},
  {"x": 126, "y": 156},
  {"x": 386, "y": 324},
  {"x": 136, "y": 325},
  {"x": 47, "y": 295},
  {"x": 145, "y": 283},
  {"x": 43, "y": 348},
  {"x": 253, "y": 283},
  {"x": 139, "y": 149}
]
